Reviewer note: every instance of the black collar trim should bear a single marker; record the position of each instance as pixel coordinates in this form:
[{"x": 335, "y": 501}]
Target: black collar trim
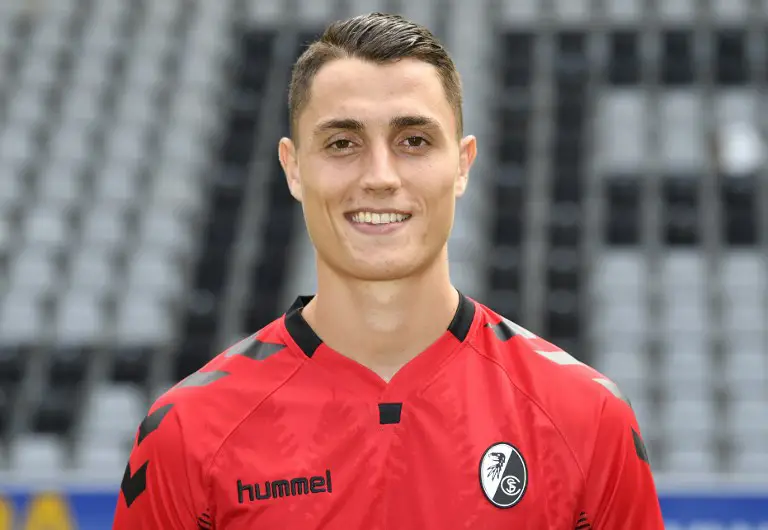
[{"x": 308, "y": 341}]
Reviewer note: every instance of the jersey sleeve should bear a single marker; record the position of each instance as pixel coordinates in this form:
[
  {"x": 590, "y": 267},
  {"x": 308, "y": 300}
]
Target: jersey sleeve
[
  {"x": 620, "y": 490},
  {"x": 162, "y": 486}
]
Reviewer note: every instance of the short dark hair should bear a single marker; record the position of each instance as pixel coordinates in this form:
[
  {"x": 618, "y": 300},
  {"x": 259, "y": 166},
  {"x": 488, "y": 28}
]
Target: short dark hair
[{"x": 380, "y": 38}]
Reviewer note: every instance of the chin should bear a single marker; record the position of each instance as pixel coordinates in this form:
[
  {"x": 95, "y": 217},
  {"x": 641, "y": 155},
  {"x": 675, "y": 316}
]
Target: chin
[{"x": 388, "y": 268}]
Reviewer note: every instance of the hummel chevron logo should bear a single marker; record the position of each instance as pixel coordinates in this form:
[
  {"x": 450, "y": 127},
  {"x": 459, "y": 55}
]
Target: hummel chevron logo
[
  {"x": 642, "y": 453},
  {"x": 134, "y": 485},
  {"x": 203, "y": 378},
  {"x": 152, "y": 422},
  {"x": 506, "y": 329},
  {"x": 255, "y": 349}
]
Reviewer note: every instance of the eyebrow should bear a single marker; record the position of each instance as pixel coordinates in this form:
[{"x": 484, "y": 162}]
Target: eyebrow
[{"x": 398, "y": 122}]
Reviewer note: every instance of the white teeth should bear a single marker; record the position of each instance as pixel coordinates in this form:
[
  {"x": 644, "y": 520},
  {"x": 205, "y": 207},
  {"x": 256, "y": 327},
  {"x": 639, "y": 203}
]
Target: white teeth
[{"x": 379, "y": 218}]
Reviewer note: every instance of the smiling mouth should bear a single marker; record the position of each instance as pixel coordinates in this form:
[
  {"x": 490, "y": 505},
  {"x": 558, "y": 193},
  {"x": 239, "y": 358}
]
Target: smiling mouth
[{"x": 377, "y": 218}]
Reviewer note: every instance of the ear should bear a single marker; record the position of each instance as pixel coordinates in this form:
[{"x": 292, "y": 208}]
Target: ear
[
  {"x": 290, "y": 163},
  {"x": 467, "y": 154}
]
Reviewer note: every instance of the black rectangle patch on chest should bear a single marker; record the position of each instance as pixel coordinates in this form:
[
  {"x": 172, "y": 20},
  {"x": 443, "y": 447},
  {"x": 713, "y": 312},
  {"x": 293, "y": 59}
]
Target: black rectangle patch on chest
[{"x": 389, "y": 413}]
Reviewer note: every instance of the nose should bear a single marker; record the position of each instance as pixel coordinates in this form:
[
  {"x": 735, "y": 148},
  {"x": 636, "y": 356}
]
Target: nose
[{"x": 380, "y": 174}]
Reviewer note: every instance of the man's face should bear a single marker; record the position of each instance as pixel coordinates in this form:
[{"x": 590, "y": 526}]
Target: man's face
[{"x": 378, "y": 167}]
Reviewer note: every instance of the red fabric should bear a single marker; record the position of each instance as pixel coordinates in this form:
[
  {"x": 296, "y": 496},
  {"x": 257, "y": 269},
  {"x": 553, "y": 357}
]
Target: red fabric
[{"x": 314, "y": 422}]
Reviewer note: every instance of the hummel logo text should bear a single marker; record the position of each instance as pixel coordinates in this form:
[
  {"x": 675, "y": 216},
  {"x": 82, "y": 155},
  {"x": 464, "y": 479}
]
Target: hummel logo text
[{"x": 284, "y": 488}]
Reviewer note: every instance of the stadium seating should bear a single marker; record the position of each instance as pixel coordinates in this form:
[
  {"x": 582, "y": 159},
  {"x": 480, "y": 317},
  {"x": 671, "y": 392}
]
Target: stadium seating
[
  {"x": 617, "y": 207},
  {"x": 109, "y": 117},
  {"x": 647, "y": 213}
]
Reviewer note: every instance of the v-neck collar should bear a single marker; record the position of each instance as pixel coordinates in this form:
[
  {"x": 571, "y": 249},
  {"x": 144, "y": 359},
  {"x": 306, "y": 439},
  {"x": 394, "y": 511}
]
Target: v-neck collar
[{"x": 358, "y": 377}]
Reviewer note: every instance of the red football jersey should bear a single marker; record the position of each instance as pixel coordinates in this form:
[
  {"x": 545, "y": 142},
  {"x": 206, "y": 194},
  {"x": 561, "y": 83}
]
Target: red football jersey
[{"x": 490, "y": 428}]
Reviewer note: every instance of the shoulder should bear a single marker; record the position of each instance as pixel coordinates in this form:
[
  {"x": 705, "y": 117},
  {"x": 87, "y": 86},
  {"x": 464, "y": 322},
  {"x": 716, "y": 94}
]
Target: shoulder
[
  {"x": 208, "y": 404},
  {"x": 575, "y": 397}
]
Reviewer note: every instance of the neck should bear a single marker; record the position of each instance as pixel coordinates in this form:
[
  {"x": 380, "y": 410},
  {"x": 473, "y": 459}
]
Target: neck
[{"x": 382, "y": 325}]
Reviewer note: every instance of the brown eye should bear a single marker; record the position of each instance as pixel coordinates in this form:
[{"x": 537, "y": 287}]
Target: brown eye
[
  {"x": 415, "y": 141},
  {"x": 341, "y": 144}
]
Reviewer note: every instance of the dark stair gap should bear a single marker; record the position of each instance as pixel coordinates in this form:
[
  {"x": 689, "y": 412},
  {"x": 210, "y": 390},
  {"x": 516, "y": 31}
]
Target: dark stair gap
[
  {"x": 248, "y": 80},
  {"x": 515, "y": 113},
  {"x": 282, "y": 210},
  {"x": 562, "y": 324},
  {"x": 680, "y": 203}
]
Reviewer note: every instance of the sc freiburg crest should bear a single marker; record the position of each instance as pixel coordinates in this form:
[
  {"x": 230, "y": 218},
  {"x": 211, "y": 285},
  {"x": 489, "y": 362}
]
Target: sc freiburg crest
[{"x": 503, "y": 475}]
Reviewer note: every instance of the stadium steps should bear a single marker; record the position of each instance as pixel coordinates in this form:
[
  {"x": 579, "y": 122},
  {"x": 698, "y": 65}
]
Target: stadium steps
[
  {"x": 563, "y": 315},
  {"x": 510, "y": 189},
  {"x": 203, "y": 314},
  {"x": 278, "y": 237}
]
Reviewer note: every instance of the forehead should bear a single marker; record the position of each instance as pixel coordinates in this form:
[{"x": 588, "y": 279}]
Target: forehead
[{"x": 374, "y": 93}]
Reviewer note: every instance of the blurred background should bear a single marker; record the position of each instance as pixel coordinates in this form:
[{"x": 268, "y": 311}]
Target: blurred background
[{"x": 619, "y": 208}]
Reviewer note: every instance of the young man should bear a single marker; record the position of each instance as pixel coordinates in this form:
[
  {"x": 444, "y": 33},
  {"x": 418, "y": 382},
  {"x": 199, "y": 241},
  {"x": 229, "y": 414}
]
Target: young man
[{"x": 388, "y": 400}]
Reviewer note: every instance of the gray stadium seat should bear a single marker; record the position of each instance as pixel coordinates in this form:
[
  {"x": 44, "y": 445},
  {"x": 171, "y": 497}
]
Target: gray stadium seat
[
  {"x": 688, "y": 418},
  {"x": 164, "y": 12},
  {"x": 699, "y": 458},
  {"x": 685, "y": 312},
  {"x": 736, "y": 104},
  {"x": 146, "y": 71},
  {"x": 72, "y": 143},
  {"x": 129, "y": 143},
  {"x": 21, "y": 319},
  {"x": 681, "y": 143},
  {"x": 12, "y": 187},
  {"x": 50, "y": 33},
  {"x": 104, "y": 226},
  {"x": 678, "y": 11},
  {"x": 27, "y": 105},
  {"x": 16, "y": 144},
  {"x": 37, "y": 457},
  {"x": 143, "y": 320},
  {"x": 47, "y": 226},
  {"x": 620, "y": 271},
  {"x": 573, "y": 11},
  {"x": 622, "y": 131},
  {"x": 91, "y": 270},
  {"x": 176, "y": 191},
  {"x": 744, "y": 271},
  {"x": 749, "y": 418},
  {"x": 625, "y": 362},
  {"x": 113, "y": 414},
  {"x": 80, "y": 107},
  {"x": 685, "y": 343},
  {"x": 118, "y": 184},
  {"x": 34, "y": 270},
  {"x": 61, "y": 184},
  {"x": 686, "y": 373},
  {"x": 79, "y": 320},
  {"x": 192, "y": 109},
  {"x": 165, "y": 229},
  {"x": 135, "y": 107},
  {"x": 621, "y": 319},
  {"x": 154, "y": 272},
  {"x": 624, "y": 11},
  {"x": 731, "y": 11},
  {"x": 683, "y": 270},
  {"x": 745, "y": 314},
  {"x": 745, "y": 368},
  {"x": 750, "y": 456},
  {"x": 39, "y": 71},
  {"x": 96, "y": 459},
  {"x": 184, "y": 145},
  {"x": 91, "y": 72}
]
